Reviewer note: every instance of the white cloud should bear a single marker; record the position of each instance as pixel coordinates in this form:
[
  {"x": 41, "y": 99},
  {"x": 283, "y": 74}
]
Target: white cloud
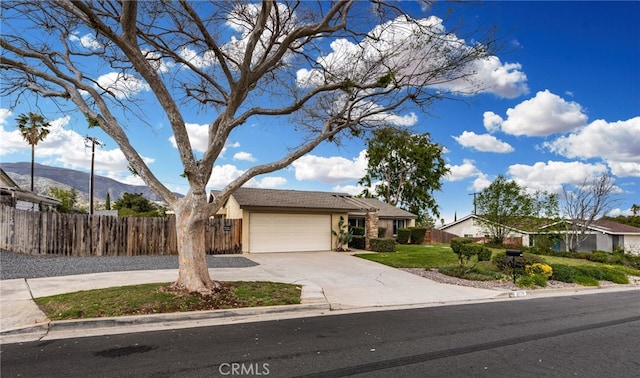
[
  {"x": 221, "y": 175},
  {"x": 349, "y": 189},
  {"x": 492, "y": 122},
  {"x": 242, "y": 19},
  {"x": 543, "y": 115},
  {"x": 244, "y": 156},
  {"x": 463, "y": 171},
  {"x": 503, "y": 80},
  {"x": 551, "y": 176},
  {"x": 617, "y": 143},
  {"x": 483, "y": 142},
  {"x": 68, "y": 148},
  {"x": 330, "y": 170},
  {"x": 199, "y": 61},
  {"x": 10, "y": 139},
  {"x": 156, "y": 61},
  {"x": 268, "y": 182},
  {"x": 481, "y": 182},
  {"x": 121, "y": 85},
  {"x": 86, "y": 41}
]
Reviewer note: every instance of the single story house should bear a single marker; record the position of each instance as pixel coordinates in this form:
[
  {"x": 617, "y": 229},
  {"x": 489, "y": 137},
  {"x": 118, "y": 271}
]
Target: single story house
[
  {"x": 601, "y": 235},
  {"x": 295, "y": 221},
  {"x": 473, "y": 226},
  {"x": 12, "y": 195}
]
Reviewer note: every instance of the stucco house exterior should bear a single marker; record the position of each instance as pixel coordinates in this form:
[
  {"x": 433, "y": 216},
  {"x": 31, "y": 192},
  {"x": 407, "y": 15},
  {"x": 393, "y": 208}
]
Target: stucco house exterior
[
  {"x": 601, "y": 235},
  {"x": 298, "y": 221},
  {"x": 12, "y": 195},
  {"x": 472, "y": 226}
]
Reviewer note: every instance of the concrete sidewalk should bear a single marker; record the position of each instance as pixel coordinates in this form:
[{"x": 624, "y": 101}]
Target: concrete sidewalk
[{"x": 332, "y": 283}]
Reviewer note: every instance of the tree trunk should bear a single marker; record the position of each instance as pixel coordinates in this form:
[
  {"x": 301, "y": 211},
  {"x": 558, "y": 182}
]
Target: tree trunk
[
  {"x": 33, "y": 158},
  {"x": 193, "y": 272}
]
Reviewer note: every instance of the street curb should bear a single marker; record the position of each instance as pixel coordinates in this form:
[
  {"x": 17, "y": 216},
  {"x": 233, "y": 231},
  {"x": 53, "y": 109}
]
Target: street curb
[{"x": 123, "y": 321}]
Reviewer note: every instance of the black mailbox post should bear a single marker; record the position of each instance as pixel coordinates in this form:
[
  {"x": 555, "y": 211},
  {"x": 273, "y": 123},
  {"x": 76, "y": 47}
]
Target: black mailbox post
[{"x": 514, "y": 253}]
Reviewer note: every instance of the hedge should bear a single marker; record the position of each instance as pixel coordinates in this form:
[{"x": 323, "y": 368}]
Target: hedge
[
  {"x": 357, "y": 242},
  {"x": 404, "y": 234},
  {"x": 383, "y": 245},
  {"x": 418, "y": 234}
]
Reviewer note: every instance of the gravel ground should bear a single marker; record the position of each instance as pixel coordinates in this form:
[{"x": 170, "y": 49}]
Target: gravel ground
[
  {"x": 17, "y": 265},
  {"x": 501, "y": 285}
]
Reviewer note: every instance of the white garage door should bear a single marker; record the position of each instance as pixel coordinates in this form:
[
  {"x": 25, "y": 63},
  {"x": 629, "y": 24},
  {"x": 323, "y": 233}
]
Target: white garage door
[{"x": 289, "y": 232}]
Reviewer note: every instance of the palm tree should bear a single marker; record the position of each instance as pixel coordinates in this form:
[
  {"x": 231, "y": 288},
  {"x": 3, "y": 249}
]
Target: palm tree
[{"x": 34, "y": 129}]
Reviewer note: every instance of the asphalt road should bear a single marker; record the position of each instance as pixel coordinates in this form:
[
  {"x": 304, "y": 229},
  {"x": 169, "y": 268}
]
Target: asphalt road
[{"x": 595, "y": 335}]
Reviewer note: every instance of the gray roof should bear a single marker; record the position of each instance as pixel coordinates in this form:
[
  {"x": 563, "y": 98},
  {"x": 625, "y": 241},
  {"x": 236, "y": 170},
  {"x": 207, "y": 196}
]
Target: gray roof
[
  {"x": 276, "y": 199},
  {"x": 292, "y": 199},
  {"x": 386, "y": 210}
]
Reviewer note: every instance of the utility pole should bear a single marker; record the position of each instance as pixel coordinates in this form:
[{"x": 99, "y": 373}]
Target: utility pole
[
  {"x": 94, "y": 142},
  {"x": 474, "y": 202}
]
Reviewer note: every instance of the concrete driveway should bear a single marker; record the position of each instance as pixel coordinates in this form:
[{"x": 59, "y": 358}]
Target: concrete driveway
[{"x": 350, "y": 282}]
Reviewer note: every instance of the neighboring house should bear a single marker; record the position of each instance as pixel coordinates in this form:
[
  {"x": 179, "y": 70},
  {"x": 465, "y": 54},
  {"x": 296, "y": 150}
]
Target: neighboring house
[
  {"x": 601, "y": 235},
  {"x": 12, "y": 195},
  {"x": 472, "y": 226},
  {"x": 293, "y": 220}
]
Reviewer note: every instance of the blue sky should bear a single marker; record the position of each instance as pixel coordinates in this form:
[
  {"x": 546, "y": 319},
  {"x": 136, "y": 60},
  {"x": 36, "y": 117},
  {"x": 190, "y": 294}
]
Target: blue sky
[{"x": 571, "y": 111}]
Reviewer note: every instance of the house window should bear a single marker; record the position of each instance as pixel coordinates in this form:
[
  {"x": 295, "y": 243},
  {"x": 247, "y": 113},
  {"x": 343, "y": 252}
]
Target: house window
[
  {"x": 398, "y": 223},
  {"x": 356, "y": 222}
]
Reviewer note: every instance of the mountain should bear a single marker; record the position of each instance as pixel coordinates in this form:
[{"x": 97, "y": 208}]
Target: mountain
[{"x": 46, "y": 176}]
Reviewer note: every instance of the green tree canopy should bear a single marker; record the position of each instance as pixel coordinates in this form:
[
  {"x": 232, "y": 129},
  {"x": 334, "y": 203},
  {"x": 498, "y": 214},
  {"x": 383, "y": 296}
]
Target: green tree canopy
[
  {"x": 404, "y": 170},
  {"x": 33, "y": 128},
  {"x": 68, "y": 198},
  {"x": 505, "y": 205},
  {"x": 134, "y": 204}
]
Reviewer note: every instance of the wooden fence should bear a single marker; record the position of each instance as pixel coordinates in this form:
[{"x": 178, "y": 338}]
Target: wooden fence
[{"x": 51, "y": 233}]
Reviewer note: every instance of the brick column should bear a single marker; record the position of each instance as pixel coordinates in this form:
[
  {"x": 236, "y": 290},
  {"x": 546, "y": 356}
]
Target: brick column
[{"x": 371, "y": 227}]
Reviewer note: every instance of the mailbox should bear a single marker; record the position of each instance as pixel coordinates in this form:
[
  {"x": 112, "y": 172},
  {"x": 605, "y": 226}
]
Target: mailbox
[{"x": 514, "y": 252}]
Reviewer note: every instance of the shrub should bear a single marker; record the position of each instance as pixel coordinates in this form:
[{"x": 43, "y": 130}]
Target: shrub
[
  {"x": 466, "y": 249},
  {"x": 585, "y": 280},
  {"x": 563, "y": 273},
  {"x": 525, "y": 281},
  {"x": 382, "y": 231},
  {"x": 536, "y": 274},
  {"x": 484, "y": 254},
  {"x": 383, "y": 245},
  {"x": 418, "y": 234},
  {"x": 357, "y": 242},
  {"x": 503, "y": 262},
  {"x": 538, "y": 268},
  {"x": 404, "y": 234},
  {"x": 357, "y": 231}
]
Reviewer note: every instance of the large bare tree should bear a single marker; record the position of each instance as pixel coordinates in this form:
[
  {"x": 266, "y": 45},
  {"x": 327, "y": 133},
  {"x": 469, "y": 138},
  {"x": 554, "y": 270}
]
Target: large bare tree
[
  {"x": 583, "y": 205},
  {"x": 328, "y": 67}
]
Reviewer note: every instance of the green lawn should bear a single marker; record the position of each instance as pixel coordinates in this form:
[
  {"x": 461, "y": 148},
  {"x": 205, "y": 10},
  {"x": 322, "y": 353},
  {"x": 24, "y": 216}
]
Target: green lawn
[
  {"x": 440, "y": 256},
  {"x": 415, "y": 256},
  {"x": 155, "y": 298}
]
